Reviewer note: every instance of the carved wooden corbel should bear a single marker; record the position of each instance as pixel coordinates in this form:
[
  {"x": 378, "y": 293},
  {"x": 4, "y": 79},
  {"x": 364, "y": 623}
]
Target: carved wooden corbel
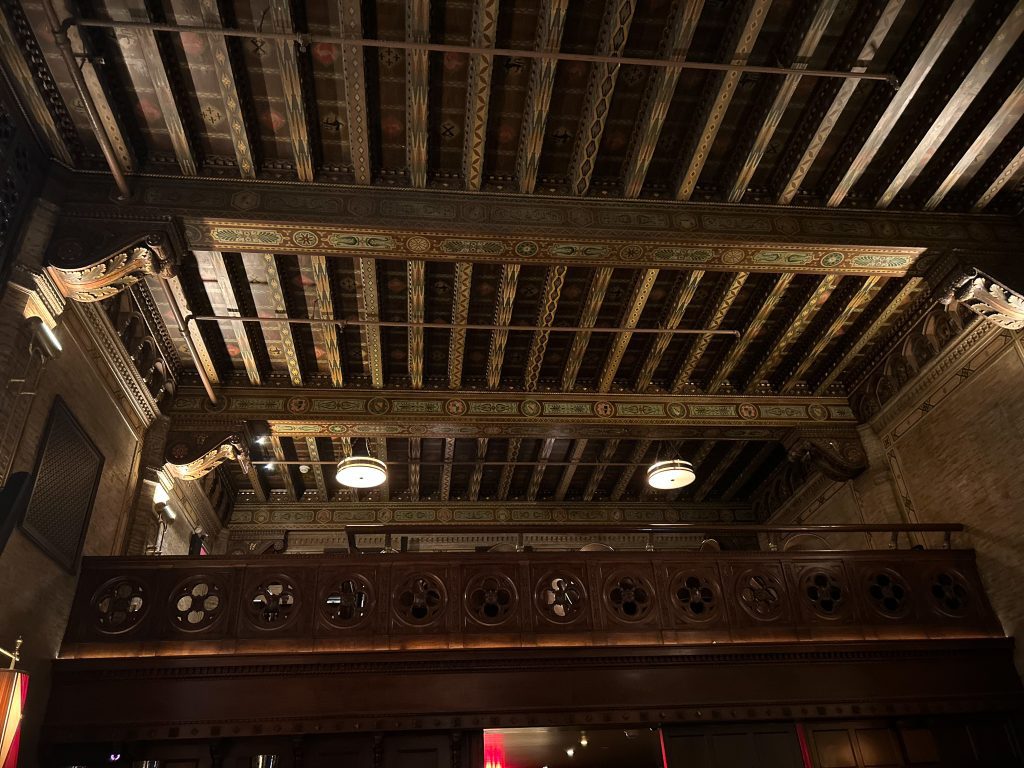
[
  {"x": 113, "y": 273},
  {"x": 837, "y": 455},
  {"x": 984, "y": 295},
  {"x": 190, "y": 455}
]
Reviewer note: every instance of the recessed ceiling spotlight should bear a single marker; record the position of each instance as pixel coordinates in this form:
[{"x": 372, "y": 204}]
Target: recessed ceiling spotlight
[
  {"x": 262, "y": 440},
  {"x": 570, "y": 751}
]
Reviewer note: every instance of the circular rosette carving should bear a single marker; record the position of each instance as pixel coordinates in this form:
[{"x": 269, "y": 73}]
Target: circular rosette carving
[
  {"x": 119, "y": 605},
  {"x": 346, "y": 602},
  {"x": 420, "y": 599},
  {"x": 196, "y": 604},
  {"x": 491, "y": 599},
  {"x": 949, "y": 593},
  {"x": 629, "y": 596},
  {"x": 272, "y": 603},
  {"x": 561, "y": 597},
  {"x": 761, "y": 595},
  {"x": 824, "y": 591},
  {"x": 888, "y": 593},
  {"x": 696, "y": 596}
]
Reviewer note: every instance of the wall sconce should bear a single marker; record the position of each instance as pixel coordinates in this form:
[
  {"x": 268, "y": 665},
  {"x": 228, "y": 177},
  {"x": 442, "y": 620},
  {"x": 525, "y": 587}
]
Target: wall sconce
[{"x": 13, "y": 690}]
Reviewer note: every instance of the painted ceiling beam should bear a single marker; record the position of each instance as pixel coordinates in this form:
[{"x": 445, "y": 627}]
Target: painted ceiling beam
[
  {"x": 639, "y": 451},
  {"x": 588, "y": 318},
  {"x": 971, "y": 161},
  {"x": 975, "y": 80},
  {"x": 737, "y": 44},
  {"x": 502, "y": 316},
  {"x": 712, "y": 322},
  {"x": 828, "y": 104},
  {"x": 257, "y": 483},
  {"x": 776, "y": 93},
  {"x": 473, "y": 492},
  {"x": 709, "y": 481},
  {"x": 748, "y": 471},
  {"x": 280, "y": 18},
  {"x": 550, "y": 24},
  {"x": 198, "y": 340},
  {"x": 597, "y": 472},
  {"x": 415, "y": 445},
  {"x": 155, "y": 68},
  {"x": 323, "y": 309},
  {"x": 417, "y": 91},
  {"x": 813, "y": 353},
  {"x": 478, "y": 92},
  {"x": 460, "y": 315},
  {"x": 353, "y": 66},
  {"x": 1012, "y": 172},
  {"x": 750, "y": 333},
  {"x": 511, "y": 456},
  {"x": 553, "y": 282},
  {"x": 658, "y": 95},
  {"x": 368, "y": 306},
  {"x": 241, "y": 331},
  {"x": 538, "y": 468},
  {"x": 317, "y": 469},
  {"x": 284, "y": 470},
  {"x": 909, "y": 87},
  {"x": 379, "y": 450},
  {"x": 697, "y": 461},
  {"x": 416, "y": 290},
  {"x": 630, "y": 318},
  {"x": 280, "y": 307},
  {"x": 611, "y": 41},
  {"x": 575, "y": 454},
  {"x": 445, "y": 490},
  {"x": 683, "y": 294}
]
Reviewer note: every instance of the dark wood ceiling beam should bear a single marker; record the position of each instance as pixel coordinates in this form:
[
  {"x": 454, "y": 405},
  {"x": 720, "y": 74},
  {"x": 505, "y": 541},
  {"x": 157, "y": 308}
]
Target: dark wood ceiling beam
[
  {"x": 415, "y": 445},
  {"x": 284, "y": 470},
  {"x": 737, "y": 45},
  {"x": 280, "y": 308},
  {"x": 739, "y": 346},
  {"x": 607, "y": 452},
  {"x": 971, "y": 161},
  {"x": 324, "y": 310},
  {"x": 635, "y": 457},
  {"x": 550, "y": 25},
  {"x": 630, "y": 317},
  {"x": 575, "y": 454},
  {"x": 975, "y": 80},
  {"x": 538, "y": 468},
  {"x": 379, "y": 450},
  {"x": 775, "y": 96},
  {"x": 445, "y": 490},
  {"x": 460, "y": 315},
  {"x": 478, "y": 92},
  {"x": 416, "y": 291},
  {"x": 417, "y": 91},
  {"x": 239, "y": 329},
  {"x": 658, "y": 95},
  {"x": 588, "y": 318},
  {"x": 712, "y": 323},
  {"x": 611, "y": 41},
  {"x": 502, "y": 316},
  {"x": 511, "y": 456},
  {"x": 909, "y": 87},
  {"x": 812, "y": 354},
  {"x": 257, "y": 484},
  {"x": 752, "y": 466},
  {"x": 724, "y": 464},
  {"x": 860, "y": 340},
  {"x": 553, "y": 283},
  {"x": 208, "y": 15},
  {"x": 156, "y": 69},
  {"x": 368, "y": 306},
  {"x": 317, "y": 469},
  {"x": 683, "y": 294},
  {"x": 473, "y": 491},
  {"x": 280, "y": 18},
  {"x": 828, "y": 104},
  {"x": 697, "y": 461},
  {"x": 792, "y": 330},
  {"x": 344, "y": 451},
  {"x": 353, "y": 66},
  {"x": 198, "y": 341},
  {"x": 1011, "y": 173}
]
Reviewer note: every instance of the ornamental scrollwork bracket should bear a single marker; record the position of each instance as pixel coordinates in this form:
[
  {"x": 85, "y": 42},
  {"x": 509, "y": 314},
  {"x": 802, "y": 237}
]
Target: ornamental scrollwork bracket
[
  {"x": 190, "y": 455},
  {"x": 111, "y": 274},
  {"x": 838, "y": 456},
  {"x": 985, "y": 296}
]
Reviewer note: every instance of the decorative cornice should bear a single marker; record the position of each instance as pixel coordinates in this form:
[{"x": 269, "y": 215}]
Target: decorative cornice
[
  {"x": 190, "y": 455},
  {"x": 989, "y": 298},
  {"x": 112, "y": 274}
]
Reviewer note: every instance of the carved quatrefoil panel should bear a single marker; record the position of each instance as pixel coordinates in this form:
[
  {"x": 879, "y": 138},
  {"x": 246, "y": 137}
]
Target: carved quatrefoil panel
[
  {"x": 696, "y": 596},
  {"x": 629, "y": 596},
  {"x": 561, "y": 597},
  {"x": 273, "y": 602},
  {"x": 347, "y": 601},
  {"x": 824, "y": 591},
  {"x": 761, "y": 595},
  {"x": 119, "y": 605},
  {"x": 196, "y": 604},
  {"x": 888, "y": 593},
  {"x": 949, "y": 593},
  {"x": 491, "y": 599},
  {"x": 420, "y": 599}
]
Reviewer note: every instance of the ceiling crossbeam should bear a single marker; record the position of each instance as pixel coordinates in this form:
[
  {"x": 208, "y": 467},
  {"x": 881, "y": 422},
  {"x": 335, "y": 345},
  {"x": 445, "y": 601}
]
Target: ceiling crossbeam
[
  {"x": 460, "y": 315},
  {"x": 353, "y": 67},
  {"x": 275, "y": 292},
  {"x": 478, "y": 92},
  {"x": 473, "y": 492},
  {"x": 445, "y": 490},
  {"x": 630, "y": 317},
  {"x": 714, "y": 321},
  {"x": 553, "y": 282},
  {"x": 658, "y": 95},
  {"x": 737, "y": 44},
  {"x": 739, "y": 346},
  {"x": 285, "y": 470},
  {"x": 538, "y": 98},
  {"x": 368, "y": 305},
  {"x": 741, "y": 480},
  {"x": 511, "y": 456},
  {"x": 417, "y": 91},
  {"x": 280, "y": 17},
  {"x": 775, "y": 96},
  {"x": 909, "y": 87},
  {"x": 415, "y": 445},
  {"x": 697, "y": 461},
  {"x": 538, "y": 468},
  {"x": 725, "y": 463},
  {"x": 575, "y": 454},
  {"x": 611, "y": 41},
  {"x": 241, "y": 331},
  {"x": 638, "y": 453},
  {"x": 416, "y": 289},
  {"x": 976, "y": 79},
  {"x": 683, "y": 293},
  {"x": 1013, "y": 171},
  {"x": 502, "y": 316},
  {"x": 597, "y": 473},
  {"x": 379, "y": 450},
  {"x": 323, "y": 309},
  {"x": 588, "y": 318},
  {"x": 317, "y": 469}
]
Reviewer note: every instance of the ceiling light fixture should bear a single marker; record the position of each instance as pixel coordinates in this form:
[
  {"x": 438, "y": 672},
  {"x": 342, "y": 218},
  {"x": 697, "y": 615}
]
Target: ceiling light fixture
[
  {"x": 570, "y": 751},
  {"x": 673, "y": 473},
  {"x": 583, "y": 739},
  {"x": 361, "y": 472}
]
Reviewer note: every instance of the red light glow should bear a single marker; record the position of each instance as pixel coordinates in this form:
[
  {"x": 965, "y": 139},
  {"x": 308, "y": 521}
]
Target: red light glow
[{"x": 494, "y": 750}]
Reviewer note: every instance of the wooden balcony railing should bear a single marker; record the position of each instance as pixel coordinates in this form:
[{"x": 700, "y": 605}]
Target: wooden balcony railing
[{"x": 361, "y": 602}]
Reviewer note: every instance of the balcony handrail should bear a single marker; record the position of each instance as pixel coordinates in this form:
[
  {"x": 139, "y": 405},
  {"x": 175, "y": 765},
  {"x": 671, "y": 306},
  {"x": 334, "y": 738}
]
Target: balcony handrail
[{"x": 389, "y": 530}]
